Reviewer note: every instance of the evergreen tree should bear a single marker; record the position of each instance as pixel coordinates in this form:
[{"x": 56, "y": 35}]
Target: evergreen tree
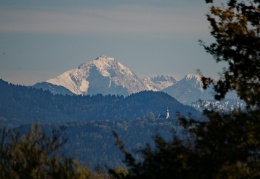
[{"x": 236, "y": 29}]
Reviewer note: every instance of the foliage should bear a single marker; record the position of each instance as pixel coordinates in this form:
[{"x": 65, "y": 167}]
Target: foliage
[
  {"x": 33, "y": 155},
  {"x": 120, "y": 172},
  {"x": 226, "y": 146},
  {"x": 236, "y": 29},
  {"x": 168, "y": 160},
  {"x": 96, "y": 138}
]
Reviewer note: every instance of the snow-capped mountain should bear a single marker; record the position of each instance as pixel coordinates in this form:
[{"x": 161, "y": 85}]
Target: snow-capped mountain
[
  {"x": 223, "y": 105},
  {"x": 159, "y": 82},
  {"x": 189, "y": 89},
  {"x": 103, "y": 75}
]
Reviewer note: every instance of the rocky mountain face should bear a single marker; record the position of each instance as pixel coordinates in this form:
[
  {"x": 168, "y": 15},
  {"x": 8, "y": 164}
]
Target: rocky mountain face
[
  {"x": 189, "y": 89},
  {"x": 103, "y": 75},
  {"x": 159, "y": 82}
]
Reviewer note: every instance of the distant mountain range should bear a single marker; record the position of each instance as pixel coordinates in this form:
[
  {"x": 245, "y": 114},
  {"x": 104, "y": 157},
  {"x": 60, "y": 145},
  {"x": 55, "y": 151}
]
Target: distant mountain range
[
  {"x": 189, "y": 89},
  {"x": 105, "y": 75}
]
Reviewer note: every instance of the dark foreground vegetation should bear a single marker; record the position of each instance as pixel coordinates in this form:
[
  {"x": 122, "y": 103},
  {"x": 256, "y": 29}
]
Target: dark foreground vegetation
[
  {"x": 225, "y": 145},
  {"x": 35, "y": 155}
]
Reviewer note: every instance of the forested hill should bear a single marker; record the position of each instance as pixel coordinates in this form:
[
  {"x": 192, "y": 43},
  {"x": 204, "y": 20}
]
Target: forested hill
[{"x": 25, "y": 105}]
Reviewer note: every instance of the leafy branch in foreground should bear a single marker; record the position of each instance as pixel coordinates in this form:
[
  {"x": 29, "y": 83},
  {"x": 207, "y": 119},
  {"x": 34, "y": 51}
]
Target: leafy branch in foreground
[{"x": 236, "y": 29}]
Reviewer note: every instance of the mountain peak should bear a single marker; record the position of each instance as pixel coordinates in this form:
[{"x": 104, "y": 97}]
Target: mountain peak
[
  {"x": 99, "y": 62},
  {"x": 102, "y": 75},
  {"x": 159, "y": 82},
  {"x": 192, "y": 76},
  {"x": 104, "y": 57}
]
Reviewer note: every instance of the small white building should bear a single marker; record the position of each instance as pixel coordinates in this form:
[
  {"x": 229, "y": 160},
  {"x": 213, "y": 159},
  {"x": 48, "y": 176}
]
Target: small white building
[{"x": 164, "y": 116}]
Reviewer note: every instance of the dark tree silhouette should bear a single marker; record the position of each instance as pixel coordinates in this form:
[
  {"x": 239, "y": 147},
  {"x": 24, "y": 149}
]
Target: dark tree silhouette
[
  {"x": 236, "y": 29},
  {"x": 33, "y": 155}
]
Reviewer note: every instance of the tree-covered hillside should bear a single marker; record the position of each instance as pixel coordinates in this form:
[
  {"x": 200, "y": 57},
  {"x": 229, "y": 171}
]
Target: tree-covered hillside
[
  {"x": 20, "y": 104},
  {"x": 93, "y": 143}
]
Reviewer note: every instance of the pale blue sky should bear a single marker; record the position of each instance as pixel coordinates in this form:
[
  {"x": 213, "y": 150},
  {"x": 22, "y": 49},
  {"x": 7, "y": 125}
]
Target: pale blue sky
[{"x": 42, "y": 39}]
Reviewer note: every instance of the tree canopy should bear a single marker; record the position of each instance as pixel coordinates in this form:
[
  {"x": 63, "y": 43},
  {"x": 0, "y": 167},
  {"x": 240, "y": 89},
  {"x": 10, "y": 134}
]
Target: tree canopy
[
  {"x": 236, "y": 29},
  {"x": 34, "y": 155}
]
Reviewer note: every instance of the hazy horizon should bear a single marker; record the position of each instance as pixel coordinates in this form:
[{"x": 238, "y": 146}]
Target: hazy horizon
[{"x": 40, "y": 40}]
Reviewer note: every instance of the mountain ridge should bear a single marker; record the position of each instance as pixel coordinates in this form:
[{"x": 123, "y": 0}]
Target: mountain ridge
[
  {"x": 159, "y": 82},
  {"x": 189, "y": 89}
]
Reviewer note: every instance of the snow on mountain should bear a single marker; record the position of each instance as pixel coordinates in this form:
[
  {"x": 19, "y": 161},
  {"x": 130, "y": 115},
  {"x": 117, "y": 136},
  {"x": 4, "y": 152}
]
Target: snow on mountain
[
  {"x": 159, "y": 82},
  {"x": 103, "y": 75},
  {"x": 52, "y": 88},
  {"x": 189, "y": 89},
  {"x": 223, "y": 105}
]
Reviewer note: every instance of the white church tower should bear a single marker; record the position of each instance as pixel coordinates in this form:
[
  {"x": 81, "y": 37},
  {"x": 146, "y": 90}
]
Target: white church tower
[{"x": 167, "y": 114}]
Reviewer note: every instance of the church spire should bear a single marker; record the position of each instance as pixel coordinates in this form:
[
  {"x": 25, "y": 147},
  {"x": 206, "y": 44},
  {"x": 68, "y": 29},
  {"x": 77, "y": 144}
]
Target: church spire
[{"x": 167, "y": 114}]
